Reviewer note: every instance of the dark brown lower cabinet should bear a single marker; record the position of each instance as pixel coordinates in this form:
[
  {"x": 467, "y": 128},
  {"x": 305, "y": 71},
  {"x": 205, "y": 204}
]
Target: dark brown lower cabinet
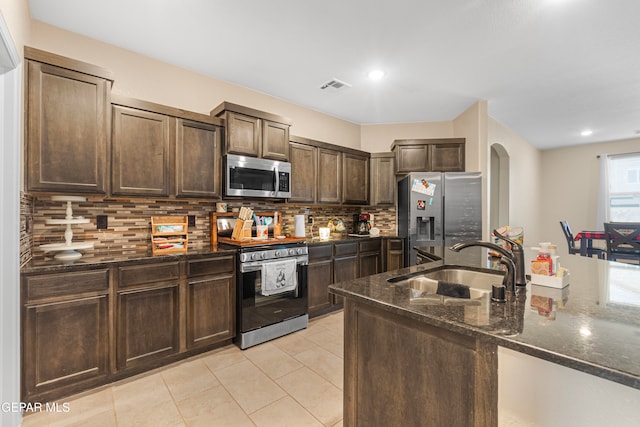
[
  {"x": 148, "y": 325},
  {"x": 65, "y": 345},
  {"x": 393, "y": 253},
  {"x": 211, "y": 301},
  {"x": 65, "y": 333},
  {"x": 398, "y": 369},
  {"x": 369, "y": 258},
  {"x": 83, "y": 327},
  {"x": 320, "y": 274}
]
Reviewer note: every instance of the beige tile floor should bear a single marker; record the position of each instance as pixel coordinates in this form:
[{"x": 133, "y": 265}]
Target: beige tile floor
[{"x": 295, "y": 380}]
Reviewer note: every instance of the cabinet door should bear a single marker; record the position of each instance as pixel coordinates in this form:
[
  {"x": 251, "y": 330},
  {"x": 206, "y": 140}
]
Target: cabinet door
[
  {"x": 412, "y": 158},
  {"x": 243, "y": 135},
  {"x": 67, "y": 130},
  {"x": 320, "y": 277},
  {"x": 147, "y": 325},
  {"x": 65, "y": 346},
  {"x": 140, "y": 149},
  {"x": 345, "y": 269},
  {"x": 329, "y": 176},
  {"x": 369, "y": 264},
  {"x": 447, "y": 157},
  {"x": 394, "y": 254},
  {"x": 198, "y": 160},
  {"x": 210, "y": 311},
  {"x": 355, "y": 179},
  {"x": 303, "y": 169},
  {"x": 383, "y": 181},
  {"x": 275, "y": 141}
]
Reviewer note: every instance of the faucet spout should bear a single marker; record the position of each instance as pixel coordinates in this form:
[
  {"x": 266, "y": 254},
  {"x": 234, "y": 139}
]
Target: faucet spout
[{"x": 515, "y": 258}]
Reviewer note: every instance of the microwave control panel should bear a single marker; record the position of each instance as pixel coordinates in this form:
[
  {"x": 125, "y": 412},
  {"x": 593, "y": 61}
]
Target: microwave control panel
[{"x": 283, "y": 178}]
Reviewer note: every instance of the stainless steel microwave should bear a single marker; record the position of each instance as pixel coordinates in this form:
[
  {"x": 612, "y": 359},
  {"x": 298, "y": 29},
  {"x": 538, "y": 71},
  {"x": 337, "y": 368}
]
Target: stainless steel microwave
[{"x": 252, "y": 177}]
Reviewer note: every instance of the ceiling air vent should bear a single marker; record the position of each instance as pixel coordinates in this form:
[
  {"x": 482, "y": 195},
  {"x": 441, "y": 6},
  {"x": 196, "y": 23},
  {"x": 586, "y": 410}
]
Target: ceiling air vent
[{"x": 335, "y": 83}]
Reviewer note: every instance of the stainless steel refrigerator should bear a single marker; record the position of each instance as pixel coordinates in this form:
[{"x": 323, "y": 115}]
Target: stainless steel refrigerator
[{"x": 439, "y": 209}]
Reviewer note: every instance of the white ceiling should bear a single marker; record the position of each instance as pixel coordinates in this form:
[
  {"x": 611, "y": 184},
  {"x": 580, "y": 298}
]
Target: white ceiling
[{"x": 548, "y": 68}]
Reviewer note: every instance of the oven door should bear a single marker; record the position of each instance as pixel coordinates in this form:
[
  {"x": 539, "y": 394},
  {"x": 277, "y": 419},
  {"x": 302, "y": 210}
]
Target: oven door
[{"x": 257, "y": 310}]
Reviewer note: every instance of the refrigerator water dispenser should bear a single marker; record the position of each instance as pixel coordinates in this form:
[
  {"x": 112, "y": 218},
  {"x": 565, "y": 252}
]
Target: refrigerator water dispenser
[{"x": 425, "y": 227}]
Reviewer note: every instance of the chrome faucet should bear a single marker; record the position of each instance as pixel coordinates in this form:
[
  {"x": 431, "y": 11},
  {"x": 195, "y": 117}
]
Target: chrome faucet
[{"x": 512, "y": 260}]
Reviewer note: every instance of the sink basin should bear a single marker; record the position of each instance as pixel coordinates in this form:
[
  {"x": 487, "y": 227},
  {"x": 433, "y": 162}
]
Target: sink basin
[
  {"x": 423, "y": 287},
  {"x": 481, "y": 280}
]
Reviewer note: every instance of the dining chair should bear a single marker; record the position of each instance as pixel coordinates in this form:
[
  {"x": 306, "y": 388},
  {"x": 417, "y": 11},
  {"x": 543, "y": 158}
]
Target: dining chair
[
  {"x": 623, "y": 240},
  {"x": 574, "y": 249}
]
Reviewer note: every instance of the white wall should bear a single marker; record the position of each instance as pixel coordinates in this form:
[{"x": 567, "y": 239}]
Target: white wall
[
  {"x": 534, "y": 392},
  {"x": 525, "y": 182},
  {"x": 569, "y": 178},
  {"x": 10, "y": 92}
]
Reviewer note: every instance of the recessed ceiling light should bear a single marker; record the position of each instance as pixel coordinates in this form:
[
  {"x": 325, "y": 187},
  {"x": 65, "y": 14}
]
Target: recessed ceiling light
[
  {"x": 376, "y": 74},
  {"x": 586, "y": 132}
]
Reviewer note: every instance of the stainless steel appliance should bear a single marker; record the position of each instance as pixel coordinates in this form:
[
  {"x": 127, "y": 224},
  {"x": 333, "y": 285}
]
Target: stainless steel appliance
[
  {"x": 436, "y": 209},
  {"x": 253, "y": 177},
  {"x": 262, "y": 315}
]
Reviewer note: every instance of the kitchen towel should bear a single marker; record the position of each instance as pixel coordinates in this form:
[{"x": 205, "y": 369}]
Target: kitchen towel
[{"x": 278, "y": 276}]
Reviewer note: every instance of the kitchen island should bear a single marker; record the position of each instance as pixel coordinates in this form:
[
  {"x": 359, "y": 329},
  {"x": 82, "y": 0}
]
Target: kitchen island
[{"x": 471, "y": 364}]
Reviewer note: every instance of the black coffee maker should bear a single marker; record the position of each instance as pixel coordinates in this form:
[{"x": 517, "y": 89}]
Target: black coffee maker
[{"x": 361, "y": 223}]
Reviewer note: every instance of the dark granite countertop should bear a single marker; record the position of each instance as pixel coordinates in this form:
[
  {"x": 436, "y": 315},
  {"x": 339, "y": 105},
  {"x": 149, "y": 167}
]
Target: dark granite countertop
[
  {"x": 592, "y": 325},
  {"x": 119, "y": 256},
  {"x": 346, "y": 238}
]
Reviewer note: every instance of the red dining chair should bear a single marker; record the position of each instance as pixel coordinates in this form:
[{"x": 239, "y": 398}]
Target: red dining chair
[
  {"x": 574, "y": 249},
  {"x": 623, "y": 240}
]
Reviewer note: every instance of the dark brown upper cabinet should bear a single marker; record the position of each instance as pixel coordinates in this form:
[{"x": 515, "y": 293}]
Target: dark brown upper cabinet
[
  {"x": 198, "y": 159},
  {"x": 67, "y": 124},
  {"x": 304, "y": 162},
  {"x": 327, "y": 173},
  {"x": 383, "y": 179},
  {"x": 355, "y": 179},
  {"x": 429, "y": 155},
  {"x": 254, "y": 133},
  {"x": 141, "y": 141},
  {"x": 161, "y": 151}
]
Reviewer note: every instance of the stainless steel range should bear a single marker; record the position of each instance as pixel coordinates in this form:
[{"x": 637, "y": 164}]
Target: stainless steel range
[{"x": 271, "y": 291}]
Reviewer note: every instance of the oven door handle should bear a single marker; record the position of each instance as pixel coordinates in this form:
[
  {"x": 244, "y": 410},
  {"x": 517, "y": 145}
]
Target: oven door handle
[{"x": 248, "y": 267}]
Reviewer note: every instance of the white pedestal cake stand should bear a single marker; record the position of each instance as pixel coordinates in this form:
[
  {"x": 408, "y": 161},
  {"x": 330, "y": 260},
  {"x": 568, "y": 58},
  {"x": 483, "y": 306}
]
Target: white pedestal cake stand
[{"x": 68, "y": 250}]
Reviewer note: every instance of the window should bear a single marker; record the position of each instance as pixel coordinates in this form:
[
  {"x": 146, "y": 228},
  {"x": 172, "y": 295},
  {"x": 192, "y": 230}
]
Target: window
[{"x": 624, "y": 188}]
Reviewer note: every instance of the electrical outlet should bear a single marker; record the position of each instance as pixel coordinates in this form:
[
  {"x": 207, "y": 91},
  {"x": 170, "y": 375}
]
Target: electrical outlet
[
  {"x": 102, "y": 222},
  {"x": 310, "y": 219},
  {"x": 191, "y": 220}
]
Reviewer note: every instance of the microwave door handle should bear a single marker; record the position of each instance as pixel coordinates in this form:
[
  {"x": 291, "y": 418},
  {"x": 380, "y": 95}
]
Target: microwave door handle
[{"x": 276, "y": 182}]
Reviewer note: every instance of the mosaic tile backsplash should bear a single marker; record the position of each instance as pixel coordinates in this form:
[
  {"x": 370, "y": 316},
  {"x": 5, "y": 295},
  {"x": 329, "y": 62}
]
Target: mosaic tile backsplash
[{"x": 129, "y": 221}]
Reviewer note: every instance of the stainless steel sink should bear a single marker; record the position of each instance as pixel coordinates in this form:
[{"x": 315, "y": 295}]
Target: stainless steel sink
[
  {"x": 481, "y": 280},
  {"x": 423, "y": 287}
]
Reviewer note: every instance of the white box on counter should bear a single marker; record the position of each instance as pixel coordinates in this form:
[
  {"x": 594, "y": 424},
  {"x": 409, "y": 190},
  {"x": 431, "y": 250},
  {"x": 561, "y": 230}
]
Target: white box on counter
[{"x": 551, "y": 281}]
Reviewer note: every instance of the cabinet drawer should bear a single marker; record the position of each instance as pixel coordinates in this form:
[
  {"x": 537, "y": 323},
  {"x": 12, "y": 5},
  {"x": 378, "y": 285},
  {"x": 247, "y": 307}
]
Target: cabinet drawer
[
  {"x": 138, "y": 274},
  {"x": 320, "y": 252},
  {"x": 211, "y": 266},
  {"x": 345, "y": 249},
  {"x": 370, "y": 246},
  {"x": 61, "y": 284},
  {"x": 394, "y": 244}
]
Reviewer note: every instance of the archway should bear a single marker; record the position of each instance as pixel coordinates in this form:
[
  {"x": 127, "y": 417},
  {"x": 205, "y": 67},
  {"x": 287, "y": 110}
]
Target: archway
[{"x": 499, "y": 186}]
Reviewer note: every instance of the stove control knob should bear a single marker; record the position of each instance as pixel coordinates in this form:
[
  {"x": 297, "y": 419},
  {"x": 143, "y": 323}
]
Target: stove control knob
[
  {"x": 292, "y": 251},
  {"x": 254, "y": 256},
  {"x": 299, "y": 251},
  {"x": 278, "y": 254},
  {"x": 263, "y": 255}
]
